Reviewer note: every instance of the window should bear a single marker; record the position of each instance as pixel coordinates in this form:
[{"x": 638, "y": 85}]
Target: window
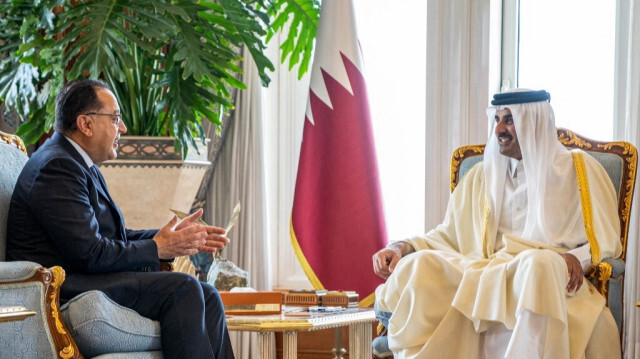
[
  {"x": 394, "y": 59},
  {"x": 568, "y": 49}
]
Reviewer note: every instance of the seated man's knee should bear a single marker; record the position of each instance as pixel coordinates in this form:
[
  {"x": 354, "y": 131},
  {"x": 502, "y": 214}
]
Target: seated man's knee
[
  {"x": 211, "y": 295},
  {"x": 543, "y": 259},
  {"x": 188, "y": 285}
]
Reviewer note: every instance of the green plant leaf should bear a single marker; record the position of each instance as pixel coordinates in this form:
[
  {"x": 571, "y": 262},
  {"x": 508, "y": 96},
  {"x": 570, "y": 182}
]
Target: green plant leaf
[
  {"x": 103, "y": 28},
  {"x": 170, "y": 63},
  {"x": 32, "y": 130},
  {"x": 302, "y": 18},
  {"x": 243, "y": 19}
]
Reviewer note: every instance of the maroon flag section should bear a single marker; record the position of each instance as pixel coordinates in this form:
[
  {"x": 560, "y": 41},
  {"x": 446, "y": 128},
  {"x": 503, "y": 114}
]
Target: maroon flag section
[{"x": 337, "y": 221}]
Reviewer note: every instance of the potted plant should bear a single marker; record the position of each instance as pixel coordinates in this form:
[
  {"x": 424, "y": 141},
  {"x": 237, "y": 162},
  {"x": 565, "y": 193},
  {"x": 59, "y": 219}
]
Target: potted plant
[{"x": 171, "y": 64}]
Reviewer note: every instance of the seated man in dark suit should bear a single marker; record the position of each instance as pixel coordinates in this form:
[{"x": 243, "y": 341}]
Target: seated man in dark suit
[{"x": 61, "y": 214}]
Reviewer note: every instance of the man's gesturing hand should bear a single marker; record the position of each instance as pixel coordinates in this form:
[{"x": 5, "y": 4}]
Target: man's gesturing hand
[
  {"x": 575, "y": 272},
  {"x": 185, "y": 237},
  {"x": 215, "y": 239}
]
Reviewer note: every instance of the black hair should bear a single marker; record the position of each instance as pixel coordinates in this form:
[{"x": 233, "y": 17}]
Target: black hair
[{"x": 74, "y": 99}]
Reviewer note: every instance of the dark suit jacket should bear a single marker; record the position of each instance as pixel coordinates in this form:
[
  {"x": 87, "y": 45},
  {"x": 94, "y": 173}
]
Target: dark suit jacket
[{"x": 61, "y": 215}]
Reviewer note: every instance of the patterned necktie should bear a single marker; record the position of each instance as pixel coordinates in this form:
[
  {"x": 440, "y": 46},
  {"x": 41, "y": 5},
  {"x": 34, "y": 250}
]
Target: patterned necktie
[{"x": 94, "y": 172}]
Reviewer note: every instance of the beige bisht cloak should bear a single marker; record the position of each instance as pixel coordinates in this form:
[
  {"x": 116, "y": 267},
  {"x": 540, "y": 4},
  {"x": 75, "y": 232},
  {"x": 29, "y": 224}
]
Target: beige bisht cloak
[{"x": 446, "y": 295}]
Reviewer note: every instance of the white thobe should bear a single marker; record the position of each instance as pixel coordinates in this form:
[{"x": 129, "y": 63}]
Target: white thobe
[
  {"x": 447, "y": 289},
  {"x": 527, "y": 338},
  {"x": 514, "y": 212}
]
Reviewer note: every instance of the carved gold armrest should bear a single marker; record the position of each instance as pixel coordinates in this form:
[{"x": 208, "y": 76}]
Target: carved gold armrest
[
  {"x": 51, "y": 280},
  {"x": 167, "y": 266},
  {"x": 600, "y": 276}
]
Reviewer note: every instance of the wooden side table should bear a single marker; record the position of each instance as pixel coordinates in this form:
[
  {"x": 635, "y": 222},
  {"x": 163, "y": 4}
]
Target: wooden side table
[
  {"x": 357, "y": 319},
  {"x": 11, "y": 314}
]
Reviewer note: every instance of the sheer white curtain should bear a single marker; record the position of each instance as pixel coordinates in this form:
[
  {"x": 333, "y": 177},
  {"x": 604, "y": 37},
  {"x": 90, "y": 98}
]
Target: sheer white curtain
[
  {"x": 457, "y": 91},
  {"x": 239, "y": 177},
  {"x": 626, "y": 117}
]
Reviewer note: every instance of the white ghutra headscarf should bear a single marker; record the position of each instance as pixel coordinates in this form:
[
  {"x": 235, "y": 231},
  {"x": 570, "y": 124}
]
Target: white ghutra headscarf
[{"x": 554, "y": 215}]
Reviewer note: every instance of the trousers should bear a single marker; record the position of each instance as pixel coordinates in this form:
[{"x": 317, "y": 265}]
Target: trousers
[{"x": 190, "y": 312}]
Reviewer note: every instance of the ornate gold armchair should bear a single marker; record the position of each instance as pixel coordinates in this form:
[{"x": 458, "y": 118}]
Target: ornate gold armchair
[
  {"x": 28, "y": 284},
  {"x": 619, "y": 159}
]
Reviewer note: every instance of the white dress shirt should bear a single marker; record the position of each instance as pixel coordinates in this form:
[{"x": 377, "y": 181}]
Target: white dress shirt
[{"x": 82, "y": 152}]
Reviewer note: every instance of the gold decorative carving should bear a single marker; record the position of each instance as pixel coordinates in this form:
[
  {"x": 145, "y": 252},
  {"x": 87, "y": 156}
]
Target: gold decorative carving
[
  {"x": 605, "y": 271},
  {"x": 167, "y": 266},
  {"x": 58, "y": 278},
  {"x": 569, "y": 138},
  {"x": 631, "y": 157},
  {"x": 67, "y": 352},
  {"x": 14, "y": 140},
  {"x": 457, "y": 157},
  {"x": 604, "y": 274}
]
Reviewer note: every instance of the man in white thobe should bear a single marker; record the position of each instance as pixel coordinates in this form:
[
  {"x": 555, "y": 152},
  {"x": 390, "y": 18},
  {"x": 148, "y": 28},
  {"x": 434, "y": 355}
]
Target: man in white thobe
[{"x": 503, "y": 275}]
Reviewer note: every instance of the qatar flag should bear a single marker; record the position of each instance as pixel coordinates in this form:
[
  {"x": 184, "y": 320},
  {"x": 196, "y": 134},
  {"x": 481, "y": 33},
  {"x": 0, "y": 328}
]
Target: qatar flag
[{"x": 337, "y": 221}]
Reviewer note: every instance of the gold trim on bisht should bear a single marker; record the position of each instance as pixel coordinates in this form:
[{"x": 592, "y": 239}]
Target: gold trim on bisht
[
  {"x": 601, "y": 271},
  {"x": 485, "y": 224},
  {"x": 585, "y": 202}
]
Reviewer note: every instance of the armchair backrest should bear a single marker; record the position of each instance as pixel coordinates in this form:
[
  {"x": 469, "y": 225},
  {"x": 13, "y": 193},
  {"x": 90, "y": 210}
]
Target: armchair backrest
[
  {"x": 13, "y": 156},
  {"x": 618, "y": 158}
]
